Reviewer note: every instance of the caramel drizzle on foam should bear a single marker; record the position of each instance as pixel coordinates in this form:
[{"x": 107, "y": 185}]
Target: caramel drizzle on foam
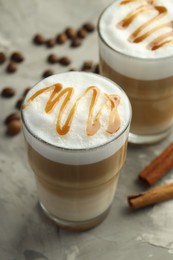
[
  {"x": 93, "y": 122},
  {"x": 137, "y": 36}
]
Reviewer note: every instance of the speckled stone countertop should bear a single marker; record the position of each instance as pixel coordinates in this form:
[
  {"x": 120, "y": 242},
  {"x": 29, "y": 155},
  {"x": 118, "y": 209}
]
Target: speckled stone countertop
[{"x": 25, "y": 232}]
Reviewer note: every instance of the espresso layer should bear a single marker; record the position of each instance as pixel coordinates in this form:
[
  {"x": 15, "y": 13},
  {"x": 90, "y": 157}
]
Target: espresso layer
[
  {"x": 76, "y": 192},
  {"x": 151, "y": 100},
  {"x": 53, "y": 175}
]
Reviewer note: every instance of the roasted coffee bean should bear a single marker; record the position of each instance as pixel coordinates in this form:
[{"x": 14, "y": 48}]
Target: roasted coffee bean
[
  {"x": 50, "y": 43},
  {"x": 8, "y": 92},
  {"x": 75, "y": 43},
  {"x": 72, "y": 69},
  {"x": 61, "y": 38},
  {"x": 39, "y": 39},
  {"x": 13, "y": 127},
  {"x": 87, "y": 66},
  {"x": 19, "y": 103},
  {"x": 26, "y": 91},
  {"x": 47, "y": 73},
  {"x": 71, "y": 33},
  {"x": 17, "y": 57},
  {"x": 65, "y": 61},
  {"x": 89, "y": 27},
  {"x": 11, "y": 67},
  {"x": 82, "y": 33},
  {"x": 52, "y": 58},
  {"x": 2, "y": 57},
  {"x": 13, "y": 116},
  {"x": 97, "y": 69}
]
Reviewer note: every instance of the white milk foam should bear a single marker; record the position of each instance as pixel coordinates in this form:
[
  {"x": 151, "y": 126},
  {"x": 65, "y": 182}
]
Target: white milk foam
[
  {"x": 134, "y": 59},
  {"x": 72, "y": 147}
]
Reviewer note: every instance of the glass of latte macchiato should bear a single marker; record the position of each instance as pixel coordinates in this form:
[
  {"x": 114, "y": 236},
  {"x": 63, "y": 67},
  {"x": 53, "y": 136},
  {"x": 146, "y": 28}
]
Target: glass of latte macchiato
[
  {"x": 76, "y": 128},
  {"x": 136, "y": 51}
]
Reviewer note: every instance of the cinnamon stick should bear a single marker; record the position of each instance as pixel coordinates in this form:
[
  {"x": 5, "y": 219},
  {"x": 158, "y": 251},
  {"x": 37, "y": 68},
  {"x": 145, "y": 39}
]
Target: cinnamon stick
[
  {"x": 152, "y": 196},
  {"x": 158, "y": 167}
]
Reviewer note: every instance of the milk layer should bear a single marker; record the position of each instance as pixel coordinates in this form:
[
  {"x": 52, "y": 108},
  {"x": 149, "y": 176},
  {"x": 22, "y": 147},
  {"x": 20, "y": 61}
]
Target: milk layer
[{"x": 76, "y": 206}]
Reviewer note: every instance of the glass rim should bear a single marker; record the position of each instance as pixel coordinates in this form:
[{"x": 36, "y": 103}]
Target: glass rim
[
  {"x": 119, "y": 51},
  {"x": 125, "y": 127}
]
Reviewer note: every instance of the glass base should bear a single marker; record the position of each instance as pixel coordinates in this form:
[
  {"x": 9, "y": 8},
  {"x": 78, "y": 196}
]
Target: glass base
[
  {"x": 76, "y": 225},
  {"x": 148, "y": 139}
]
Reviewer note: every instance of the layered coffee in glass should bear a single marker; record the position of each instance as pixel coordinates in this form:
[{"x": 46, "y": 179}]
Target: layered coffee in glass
[
  {"x": 76, "y": 127},
  {"x": 136, "y": 51}
]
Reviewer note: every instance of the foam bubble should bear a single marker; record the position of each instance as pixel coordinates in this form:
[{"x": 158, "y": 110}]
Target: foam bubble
[
  {"x": 135, "y": 60},
  {"x": 40, "y": 127}
]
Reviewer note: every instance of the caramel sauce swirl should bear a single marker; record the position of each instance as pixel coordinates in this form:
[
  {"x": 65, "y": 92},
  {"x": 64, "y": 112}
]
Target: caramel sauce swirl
[
  {"x": 57, "y": 92},
  {"x": 138, "y": 36}
]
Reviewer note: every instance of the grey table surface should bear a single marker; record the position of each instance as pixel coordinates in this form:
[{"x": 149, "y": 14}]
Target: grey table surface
[{"x": 25, "y": 232}]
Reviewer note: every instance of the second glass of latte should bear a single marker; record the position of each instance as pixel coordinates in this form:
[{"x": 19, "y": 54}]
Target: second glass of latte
[
  {"x": 136, "y": 51},
  {"x": 76, "y": 127}
]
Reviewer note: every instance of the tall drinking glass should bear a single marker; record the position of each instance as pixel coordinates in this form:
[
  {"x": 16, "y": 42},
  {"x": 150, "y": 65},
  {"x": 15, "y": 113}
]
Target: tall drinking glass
[
  {"x": 136, "y": 51},
  {"x": 76, "y": 128}
]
